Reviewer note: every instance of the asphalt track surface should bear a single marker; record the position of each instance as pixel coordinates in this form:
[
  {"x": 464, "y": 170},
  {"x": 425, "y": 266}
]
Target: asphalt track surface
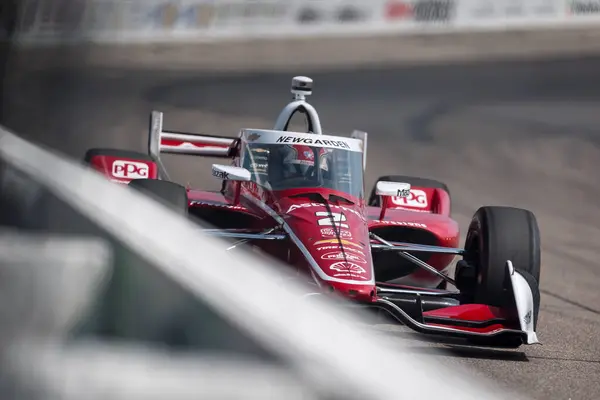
[{"x": 525, "y": 134}]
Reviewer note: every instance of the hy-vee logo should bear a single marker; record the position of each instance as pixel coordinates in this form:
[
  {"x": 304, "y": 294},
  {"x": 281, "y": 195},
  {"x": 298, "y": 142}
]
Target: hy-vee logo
[{"x": 340, "y": 144}]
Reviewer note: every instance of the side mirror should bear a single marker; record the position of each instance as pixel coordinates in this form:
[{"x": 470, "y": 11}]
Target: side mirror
[
  {"x": 396, "y": 189},
  {"x": 230, "y": 173}
]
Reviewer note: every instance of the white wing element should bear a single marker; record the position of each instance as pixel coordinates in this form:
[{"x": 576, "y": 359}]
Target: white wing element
[
  {"x": 396, "y": 189},
  {"x": 187, "y": 143},
  {"x": 524, "y": 302},
  {"x": 230, "y": 173}
]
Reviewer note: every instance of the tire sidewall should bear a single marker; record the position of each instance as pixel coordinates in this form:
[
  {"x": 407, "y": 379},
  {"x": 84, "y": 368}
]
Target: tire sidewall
[
  {"x": 491, "y": 279},
  {"x": 496, "y": 235}
]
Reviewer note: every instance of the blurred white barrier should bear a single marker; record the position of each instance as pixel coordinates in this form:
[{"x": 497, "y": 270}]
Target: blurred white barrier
[
  {"x": 101, "y": 371},
  {"x": 135, "y": 21},
  {"x": 318, "y": 340},
  {"x": 47, "y": 283}
]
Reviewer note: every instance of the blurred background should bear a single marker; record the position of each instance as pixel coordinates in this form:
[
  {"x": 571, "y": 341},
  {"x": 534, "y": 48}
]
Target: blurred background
[{"x": 497, "y": 98}]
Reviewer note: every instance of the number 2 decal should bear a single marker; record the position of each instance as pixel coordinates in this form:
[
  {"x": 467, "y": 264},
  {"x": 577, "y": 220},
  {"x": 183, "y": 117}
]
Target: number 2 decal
[{"x": 332, "y": 218}]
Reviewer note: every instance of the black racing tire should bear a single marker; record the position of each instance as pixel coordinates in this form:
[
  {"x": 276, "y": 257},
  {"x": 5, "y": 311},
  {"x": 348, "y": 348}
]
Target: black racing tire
[
  {"x": 495, "y": 235},
  {"x": 375, "y": 201},
  {"x": 170, "y": 194},
  {"x": 128, "y": 154},
  {"x": 498, "y": 234}
]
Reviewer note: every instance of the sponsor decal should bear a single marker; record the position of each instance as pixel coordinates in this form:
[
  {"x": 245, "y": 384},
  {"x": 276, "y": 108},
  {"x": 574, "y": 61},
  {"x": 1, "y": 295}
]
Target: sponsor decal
[
  {"x": 346, "y": 14},
  {"x": 259, "y": 150},
  {"x": 527, "y": 318},
  {"x": 420, "y": 10},
  {"x": 403, "y": 193},
  {"x": 583, "y": 7},
  {"x": 333, "y": 219},
  {"x": 411, "y": 209},
  {"x": 244, "y": 12},
  {"x": 335, "y": 241},
  {"x": 256, "y": 158},
  {"x": 338, "y": 248},
  {"x": 331, "y": 232},
  {"x": 401, "y": 223},
  {"x": 220, "y": 174},
  {"x": 130, "y": 170},
  {"x": 343, "y": 256},
  {"x": 348, "y": 270},
  {"x": 417, "y": 199},
  {"x": 309, "y": 163},
  {"x": 259, "y": 168},
  {"x": 398, "y": 10},
  {"x": 255, "y": 191},
  {"x": 309, "y": 205},
  {"x": 170, "y": 15},
  {"x": 433, "y": 10},
  {"x": 338, "y": 144},
  {"x": 219, "y": 205},
  {"x": 488, "y": 9}
]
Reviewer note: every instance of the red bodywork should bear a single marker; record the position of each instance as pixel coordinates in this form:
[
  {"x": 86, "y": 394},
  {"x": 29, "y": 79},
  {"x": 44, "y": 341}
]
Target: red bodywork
[
  {"x": 124, "y": 170},
  {"x": 356, "y": 275},
  {"x": 345, "y": 264}
]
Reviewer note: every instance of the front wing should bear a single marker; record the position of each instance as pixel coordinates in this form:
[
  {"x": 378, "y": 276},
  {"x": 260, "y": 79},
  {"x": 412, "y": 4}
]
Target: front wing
[
  {"x": 446, "y": 316},
  {"x": 469, "y": 320}
]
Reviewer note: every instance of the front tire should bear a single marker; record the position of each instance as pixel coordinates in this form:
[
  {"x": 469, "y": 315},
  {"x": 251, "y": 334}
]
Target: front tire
[{"x": 496, "y": 235}]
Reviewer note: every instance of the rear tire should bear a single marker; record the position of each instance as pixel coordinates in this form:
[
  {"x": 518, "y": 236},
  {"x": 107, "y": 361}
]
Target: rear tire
[
  {"x": 170, "y": 194},
  {"x": 375, "y": 201}
]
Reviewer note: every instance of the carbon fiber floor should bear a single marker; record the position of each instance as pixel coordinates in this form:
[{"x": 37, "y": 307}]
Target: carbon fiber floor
[{"x": 522, "y": 134}]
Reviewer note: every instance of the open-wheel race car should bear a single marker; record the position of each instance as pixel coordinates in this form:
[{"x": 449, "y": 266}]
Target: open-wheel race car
[{"x": 299, "y": 197}]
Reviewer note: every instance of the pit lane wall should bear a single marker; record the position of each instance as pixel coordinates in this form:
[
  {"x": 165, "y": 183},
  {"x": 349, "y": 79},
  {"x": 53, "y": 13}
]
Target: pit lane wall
[{"x": 173, "y": 21}]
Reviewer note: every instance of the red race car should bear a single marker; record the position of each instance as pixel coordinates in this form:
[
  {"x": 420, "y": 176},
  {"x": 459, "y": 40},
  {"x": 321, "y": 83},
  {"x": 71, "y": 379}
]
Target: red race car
[{"x": 300, "y": 198}]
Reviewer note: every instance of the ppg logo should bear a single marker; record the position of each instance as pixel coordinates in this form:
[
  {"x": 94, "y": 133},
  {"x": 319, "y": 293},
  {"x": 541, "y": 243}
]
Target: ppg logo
[{"x": 130, "y": 170}]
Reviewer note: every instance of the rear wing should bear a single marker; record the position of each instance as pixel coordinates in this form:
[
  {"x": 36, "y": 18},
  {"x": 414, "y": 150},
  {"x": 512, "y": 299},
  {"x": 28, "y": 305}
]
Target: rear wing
[
  {"x": 163, "y": 141},
  {"x": 185, "y": 143}
]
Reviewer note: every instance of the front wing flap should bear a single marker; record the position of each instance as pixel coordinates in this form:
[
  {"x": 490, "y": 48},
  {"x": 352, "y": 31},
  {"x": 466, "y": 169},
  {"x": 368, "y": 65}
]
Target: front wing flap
[{"x": 474, "y": 320}]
